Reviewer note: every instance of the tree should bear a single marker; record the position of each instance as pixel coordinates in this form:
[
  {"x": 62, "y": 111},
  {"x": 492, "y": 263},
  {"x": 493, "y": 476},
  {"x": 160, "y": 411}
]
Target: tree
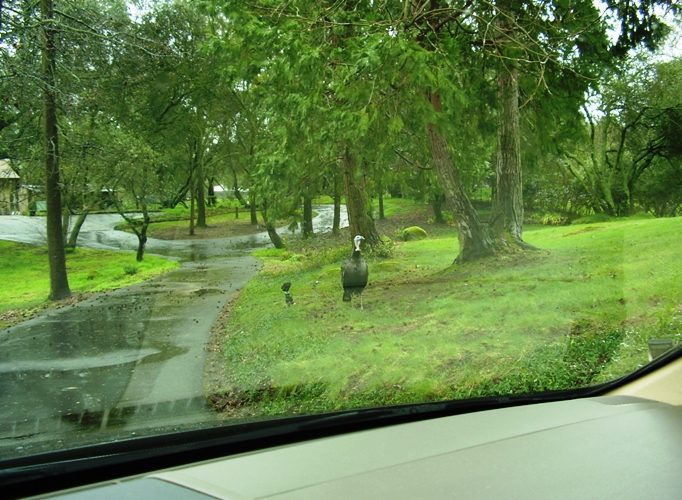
[
  {"x": 341, "y": 66},
  {"x": 507, "y": 215},
  {"x": 298, "y": 76},
  {"x": 533, "y": 46},
  {"x": 475, "y": 240},
  {"x": 357, "y": 201},
  {"x": 59, "y": 283},
  {"x": 628, "y": 129},
  {"x": 134, "y": 177}
]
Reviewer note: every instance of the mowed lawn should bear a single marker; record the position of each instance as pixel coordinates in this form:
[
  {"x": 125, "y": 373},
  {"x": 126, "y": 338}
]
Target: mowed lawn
[
  {"x": 25, "y": 274},
  {"x": 578, "y": 311}
]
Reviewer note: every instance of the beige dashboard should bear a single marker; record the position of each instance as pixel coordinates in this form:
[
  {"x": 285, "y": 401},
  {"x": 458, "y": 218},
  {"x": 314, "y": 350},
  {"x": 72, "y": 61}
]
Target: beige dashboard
[{"x": 612, "y": 447}]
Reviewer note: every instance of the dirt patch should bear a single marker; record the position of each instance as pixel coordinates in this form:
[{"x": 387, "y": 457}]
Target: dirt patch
[
  {"x": 582, "y": 230},
  {"x": 215, "y": 372},
  {"x": 238, "y": 402}
]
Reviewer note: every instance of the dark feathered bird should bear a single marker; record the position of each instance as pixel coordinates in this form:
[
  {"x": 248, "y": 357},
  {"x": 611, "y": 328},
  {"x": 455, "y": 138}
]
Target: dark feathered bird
[
  {"x": 354, "y": 273},
  {"x": 287, "y": 294}
]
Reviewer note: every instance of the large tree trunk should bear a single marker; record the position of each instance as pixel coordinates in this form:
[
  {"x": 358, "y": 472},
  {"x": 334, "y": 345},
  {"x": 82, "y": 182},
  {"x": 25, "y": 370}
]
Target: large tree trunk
[
  {"x": 270, "y": 228},
  {"x": 252, "y": 210},
  {"x": 201, "y": 198},
  {"x": 507, "y": 211},
  {"x": 307, "y": 216},
  {"x": 59, "y": 283},
  {"x": 75, "y": 231},
  {"x": 66, "y": 222},
  {"x": 274, "y": 237},
  {"x": 437, "y": 201},
  {"x": 336, "y": 223},
  {"x": 180, "y": 195},
  {"x": 210, "y": 193},
  {"x": 475, "y": 240},
  {"x": 191, "y": 213},
  {"x": 142, "y": 235},
  {"x": 235, "y": 188},
  {"x": 382, "y": 215},
  {"x": 359, "y": 217}
]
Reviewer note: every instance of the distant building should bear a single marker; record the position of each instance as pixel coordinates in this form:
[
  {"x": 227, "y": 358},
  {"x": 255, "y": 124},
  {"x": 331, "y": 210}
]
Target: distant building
[
  {"x": 15, "y": 197},
  {"x": 10, "y": 186}
]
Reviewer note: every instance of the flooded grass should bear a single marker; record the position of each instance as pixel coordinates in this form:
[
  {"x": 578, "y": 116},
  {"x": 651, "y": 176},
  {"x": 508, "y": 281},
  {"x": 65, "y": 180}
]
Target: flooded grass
[{"x": 576, "y": 312}]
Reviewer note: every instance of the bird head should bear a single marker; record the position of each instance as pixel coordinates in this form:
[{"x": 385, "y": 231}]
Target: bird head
[{"x": 357, "y": 240}]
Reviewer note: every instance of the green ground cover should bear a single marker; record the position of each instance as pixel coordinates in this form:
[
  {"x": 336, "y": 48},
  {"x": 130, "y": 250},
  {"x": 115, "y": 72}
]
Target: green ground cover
[
  {"x": 25, "y": 273},
  {"x": 578, "y": 311},
  {"x": 220, "y": 225}
]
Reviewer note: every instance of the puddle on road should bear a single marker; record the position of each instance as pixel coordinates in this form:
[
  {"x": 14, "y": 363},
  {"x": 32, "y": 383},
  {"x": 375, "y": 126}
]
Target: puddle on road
[
  {"x": 164, "y": 353},
  {"x": 80, "y": 361}
]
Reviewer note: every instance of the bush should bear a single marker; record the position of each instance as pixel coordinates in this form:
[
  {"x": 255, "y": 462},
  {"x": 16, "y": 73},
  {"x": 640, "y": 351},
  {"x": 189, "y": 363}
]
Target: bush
[
  {"x": 130, "y": 270},
  {"x": 413, "y": 233},
  {"x": 384, "y": 249},
  {"x": 554, "y": 219}
]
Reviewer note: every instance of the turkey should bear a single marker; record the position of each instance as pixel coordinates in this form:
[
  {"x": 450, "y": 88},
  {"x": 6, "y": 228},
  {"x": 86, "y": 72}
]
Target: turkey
[
  {"x": 288, "y": 298},
  {"x": 354, "y": 273}
]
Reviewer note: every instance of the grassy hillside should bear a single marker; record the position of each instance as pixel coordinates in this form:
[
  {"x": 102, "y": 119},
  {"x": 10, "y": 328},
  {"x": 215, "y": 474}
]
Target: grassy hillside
[{"x": 578, "y": 311}]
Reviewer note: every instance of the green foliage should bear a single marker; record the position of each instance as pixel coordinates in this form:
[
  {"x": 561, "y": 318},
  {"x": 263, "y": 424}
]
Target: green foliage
[
  {"x": 628, "y": 138},
  {"x": 413, "y": 233},
  {"x": 384, "y": 249},
  {"x": 660, "y": 189},
  {"x": 554, "y": 219},
  {"x": 129, "y": 270}
]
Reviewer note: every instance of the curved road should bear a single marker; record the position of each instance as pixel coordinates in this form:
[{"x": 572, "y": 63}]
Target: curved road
[{"x": 128, "y": 362}]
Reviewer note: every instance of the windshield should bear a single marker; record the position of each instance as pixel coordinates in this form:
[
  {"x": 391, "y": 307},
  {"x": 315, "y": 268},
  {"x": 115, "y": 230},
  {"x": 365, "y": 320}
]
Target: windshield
[{"x": 221, "y": 212}]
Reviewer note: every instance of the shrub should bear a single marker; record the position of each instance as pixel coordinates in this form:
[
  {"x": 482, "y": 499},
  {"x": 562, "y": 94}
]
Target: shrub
[
  {"x": 384, "y": 249},
  {"x": 413, "y": 233},
  {"x": 130, "y": 270},
  {"x": 554, "y": 219}
]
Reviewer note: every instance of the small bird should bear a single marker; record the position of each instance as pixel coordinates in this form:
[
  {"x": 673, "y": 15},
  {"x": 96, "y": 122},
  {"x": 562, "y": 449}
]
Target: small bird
[
  {"x": 287, "y": 295},
  {"x": 354, "y": 273}
]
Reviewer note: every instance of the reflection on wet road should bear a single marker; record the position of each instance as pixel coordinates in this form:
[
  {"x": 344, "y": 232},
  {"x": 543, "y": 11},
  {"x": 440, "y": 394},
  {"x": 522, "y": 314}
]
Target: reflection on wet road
[{"x": 126, "y": 363}]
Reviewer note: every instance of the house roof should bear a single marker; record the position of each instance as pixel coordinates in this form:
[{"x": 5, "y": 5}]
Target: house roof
[{"x": 6, "y": 171}]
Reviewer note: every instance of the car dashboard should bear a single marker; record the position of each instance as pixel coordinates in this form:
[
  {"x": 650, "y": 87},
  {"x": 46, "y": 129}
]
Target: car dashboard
[{"x": 614, "y": 446}]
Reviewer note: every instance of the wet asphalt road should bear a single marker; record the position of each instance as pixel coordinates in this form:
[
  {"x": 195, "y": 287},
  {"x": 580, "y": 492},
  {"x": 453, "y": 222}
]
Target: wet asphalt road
[{"x": 129, "y": 362}]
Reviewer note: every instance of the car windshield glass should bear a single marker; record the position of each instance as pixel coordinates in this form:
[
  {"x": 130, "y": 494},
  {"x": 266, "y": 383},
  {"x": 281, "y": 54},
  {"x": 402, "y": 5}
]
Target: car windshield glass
[{"x": 215, "y": 212}]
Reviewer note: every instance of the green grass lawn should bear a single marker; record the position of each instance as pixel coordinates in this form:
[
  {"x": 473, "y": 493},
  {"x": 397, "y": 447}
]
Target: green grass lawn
[
  {"x": 220, "y": 225},
  {"x": 226, "y": 219},
  {"x": 25, "y": 273},
  {"x": 578, "y": 311}
]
